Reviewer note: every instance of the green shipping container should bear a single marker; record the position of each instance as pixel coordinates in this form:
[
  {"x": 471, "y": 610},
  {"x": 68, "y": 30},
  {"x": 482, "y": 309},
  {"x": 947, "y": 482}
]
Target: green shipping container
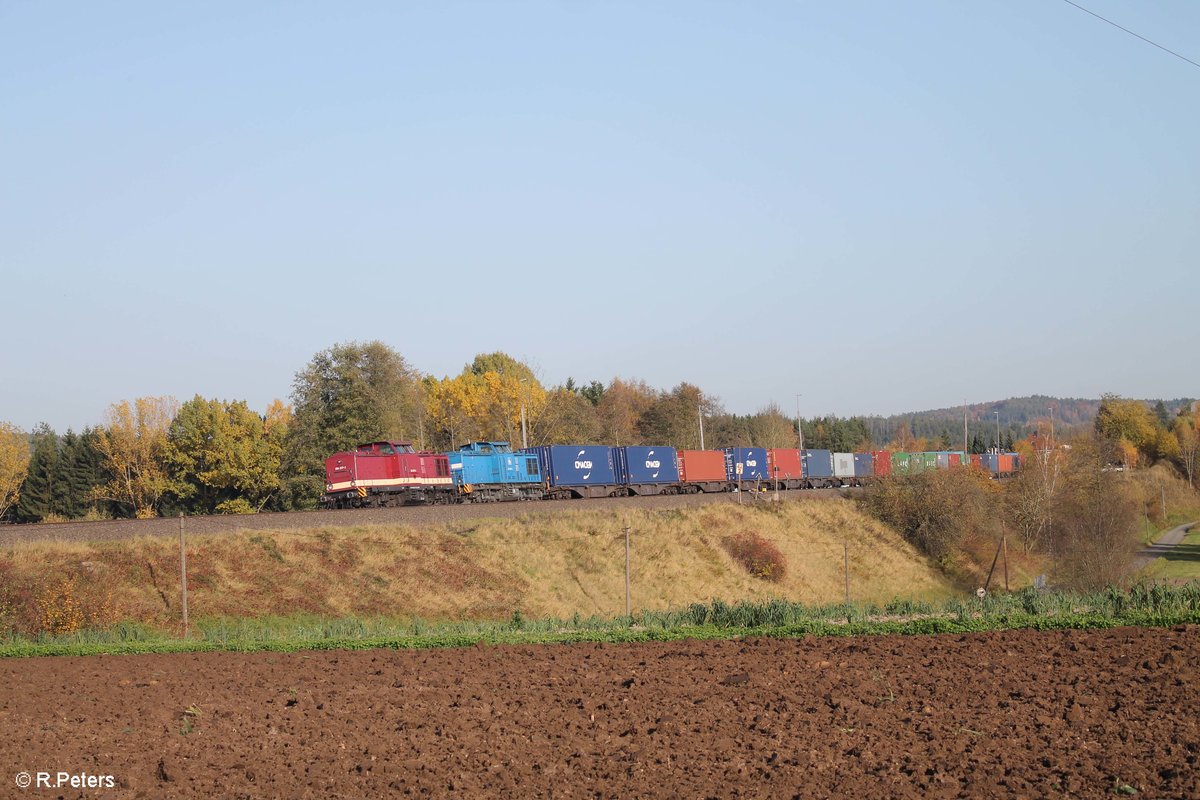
[{"x": 900, "y": 463}]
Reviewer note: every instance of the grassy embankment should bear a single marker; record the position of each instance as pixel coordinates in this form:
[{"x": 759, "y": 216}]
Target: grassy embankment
[{"x": 536, "y": 566}]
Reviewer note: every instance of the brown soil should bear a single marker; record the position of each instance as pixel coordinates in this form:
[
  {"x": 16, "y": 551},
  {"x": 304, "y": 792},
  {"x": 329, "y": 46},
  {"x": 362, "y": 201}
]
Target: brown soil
[{"x": 1016, "y": 714}]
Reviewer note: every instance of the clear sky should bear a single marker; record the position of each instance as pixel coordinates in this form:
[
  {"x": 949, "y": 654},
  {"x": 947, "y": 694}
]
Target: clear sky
[{"x": 883, "y": 206}]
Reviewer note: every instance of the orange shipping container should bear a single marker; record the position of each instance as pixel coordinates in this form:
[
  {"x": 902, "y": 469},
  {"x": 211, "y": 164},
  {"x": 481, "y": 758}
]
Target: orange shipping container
[
  {"x": 698, "y": 466},
  {"x": 1006, "y": 463},
  {"x": 783, "y": 464}
]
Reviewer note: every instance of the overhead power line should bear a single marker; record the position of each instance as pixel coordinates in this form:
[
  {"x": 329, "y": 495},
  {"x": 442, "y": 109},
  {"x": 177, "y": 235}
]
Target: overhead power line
[{"x": 1131, "y": 33}]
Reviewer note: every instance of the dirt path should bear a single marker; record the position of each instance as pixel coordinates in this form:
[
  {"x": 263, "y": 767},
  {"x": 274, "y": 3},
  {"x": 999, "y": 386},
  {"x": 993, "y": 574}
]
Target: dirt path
[
  {"x": 1162, "y": 546},
  {"x": 1017, "y": 714}
]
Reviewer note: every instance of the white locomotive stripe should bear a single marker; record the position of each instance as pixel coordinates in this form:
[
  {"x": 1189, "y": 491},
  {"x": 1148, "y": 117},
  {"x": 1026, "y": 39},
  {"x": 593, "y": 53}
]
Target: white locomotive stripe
[{"x": 343, "y": 485}]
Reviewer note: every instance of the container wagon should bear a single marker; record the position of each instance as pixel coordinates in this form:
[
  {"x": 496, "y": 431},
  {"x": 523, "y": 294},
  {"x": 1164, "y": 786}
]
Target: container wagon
[
  {"x": 785, "y": 468},
  {"x": 646, "y": 470},
  {"x": 577, "y": 470},
  {"x": 818, "y": 469},
  {"x": 702, "y": 471},
  {"x": 745, "y": 464}
]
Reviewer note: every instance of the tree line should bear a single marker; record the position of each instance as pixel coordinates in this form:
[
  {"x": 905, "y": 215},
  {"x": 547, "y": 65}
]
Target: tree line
[{"x": 155, "y": 456}]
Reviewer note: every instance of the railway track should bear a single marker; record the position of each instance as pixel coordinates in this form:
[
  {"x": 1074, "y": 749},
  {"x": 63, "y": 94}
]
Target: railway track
[{"x": 110, "y": 530}]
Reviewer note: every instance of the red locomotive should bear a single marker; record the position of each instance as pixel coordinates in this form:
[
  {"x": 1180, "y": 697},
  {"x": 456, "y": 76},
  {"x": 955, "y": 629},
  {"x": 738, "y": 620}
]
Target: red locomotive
[{"x": 386, "y": 474}]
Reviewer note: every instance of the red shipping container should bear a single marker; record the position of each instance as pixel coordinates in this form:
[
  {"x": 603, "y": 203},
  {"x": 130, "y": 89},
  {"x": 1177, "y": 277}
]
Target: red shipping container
[
  {"x": 783, "y": 464},
  {"x": 882, "y": 461},
  {"x": 698, "y": 466},
  {"x": 955, "y": 460},
  {"x": 977, "y": 461},
  {"x": 1006, "y": 463}
]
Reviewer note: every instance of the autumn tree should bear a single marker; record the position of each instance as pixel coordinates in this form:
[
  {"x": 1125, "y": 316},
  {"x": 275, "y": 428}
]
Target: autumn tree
[
  {"x": 618, "y": 409},
  {"x": 1095, "y": 519},
  {"x": 222, "y": 457},
  {"x": 936, "y": 509},
  {"x": 1186, "y": 429},
  {"x": 484, "y": 402},
  {"x": 133, "y": 444},
  {"x": 1029, "y": 497},
  {"x": 1130, "y": 426},
  {"x": 567, "y": 418},
  {"x": 14, "y": 464},
  {"x": 674, "y": 417},
  {"x": 346, "y": 395}
]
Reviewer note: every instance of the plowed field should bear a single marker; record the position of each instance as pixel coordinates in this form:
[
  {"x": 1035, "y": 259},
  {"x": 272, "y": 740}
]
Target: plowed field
[{"x": 1016, "y": 714}]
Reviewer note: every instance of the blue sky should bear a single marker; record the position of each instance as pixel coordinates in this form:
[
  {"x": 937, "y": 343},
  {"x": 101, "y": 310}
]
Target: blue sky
[{"x": 882, "y": 206}]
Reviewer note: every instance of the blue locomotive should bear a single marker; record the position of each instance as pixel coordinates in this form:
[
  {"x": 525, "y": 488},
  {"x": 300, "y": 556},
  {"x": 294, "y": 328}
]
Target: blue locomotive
[{"x": 489, "y": 472}]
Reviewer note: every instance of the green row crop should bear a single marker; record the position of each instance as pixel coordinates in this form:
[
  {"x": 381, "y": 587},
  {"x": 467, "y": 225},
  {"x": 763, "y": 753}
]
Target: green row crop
[{"x": 1148, "y": 606}]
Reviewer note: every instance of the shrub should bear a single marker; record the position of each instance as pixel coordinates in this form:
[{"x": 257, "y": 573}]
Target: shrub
[
  {"x": 760, "y": 557},
  {"x": 934, "y": 510}
]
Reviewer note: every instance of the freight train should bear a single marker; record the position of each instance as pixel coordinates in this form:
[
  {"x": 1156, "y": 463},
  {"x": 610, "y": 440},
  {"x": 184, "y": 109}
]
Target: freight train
[{"x": 393, "y": 473}]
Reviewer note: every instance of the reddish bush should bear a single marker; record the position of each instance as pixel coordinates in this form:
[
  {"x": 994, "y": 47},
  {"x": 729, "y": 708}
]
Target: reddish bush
[{"x": 760, "y": 557}]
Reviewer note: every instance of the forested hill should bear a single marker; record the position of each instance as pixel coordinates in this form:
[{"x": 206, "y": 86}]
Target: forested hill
[{"x": 1017, "y": 416}]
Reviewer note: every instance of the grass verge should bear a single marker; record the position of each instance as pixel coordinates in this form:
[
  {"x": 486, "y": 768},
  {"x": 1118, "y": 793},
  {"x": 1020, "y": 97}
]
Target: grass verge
[{"x": 1144, "y": 605}]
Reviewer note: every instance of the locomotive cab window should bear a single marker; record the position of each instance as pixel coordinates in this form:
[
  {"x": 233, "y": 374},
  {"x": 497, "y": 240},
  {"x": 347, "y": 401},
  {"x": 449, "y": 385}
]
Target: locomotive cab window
[
  {"x": 531, "y": 466},
  {"x": 387, "y": 450}
]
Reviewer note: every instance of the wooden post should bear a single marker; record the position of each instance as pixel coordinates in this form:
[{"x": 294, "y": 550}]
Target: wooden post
[
  {"x": 1004, "y": 544},
  {"x": 991, "y": 571},
  {"x": 183, "y": 576},
  {"x": 628, "y": 609},
  {"x": 846, "y": 564}
]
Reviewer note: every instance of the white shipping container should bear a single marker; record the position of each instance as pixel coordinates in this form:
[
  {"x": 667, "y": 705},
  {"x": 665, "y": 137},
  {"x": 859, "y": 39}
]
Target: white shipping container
[{"x": 843, "y": 465}]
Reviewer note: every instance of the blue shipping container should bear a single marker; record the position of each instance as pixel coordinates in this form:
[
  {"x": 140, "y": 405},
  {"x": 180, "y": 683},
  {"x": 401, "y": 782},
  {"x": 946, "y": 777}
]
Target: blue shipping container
[
  {"x": 752, "y": 459},
  {"x": 576, "y": 465},
  {"x": 990, "y": 462},
  {"x": 646, "y": 465},
  {"x": 817, "y": 463},
  {"x": 864, "y": 465},
  {"x": 486, "y": 463}
]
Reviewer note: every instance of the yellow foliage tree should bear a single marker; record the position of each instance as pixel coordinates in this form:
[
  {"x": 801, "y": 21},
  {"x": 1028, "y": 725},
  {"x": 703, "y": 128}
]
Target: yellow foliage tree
[
  {"x": 485, "y": 404},
  {"x": 14, "y": 464},
  {"x": 1130, "y": 425},
  {"x": 1187, "y": 434},
  {"x": 133, "y": 444}
]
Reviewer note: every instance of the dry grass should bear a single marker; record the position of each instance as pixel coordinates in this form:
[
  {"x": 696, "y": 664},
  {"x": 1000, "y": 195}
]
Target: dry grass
[{"x": 543, "y": 565}]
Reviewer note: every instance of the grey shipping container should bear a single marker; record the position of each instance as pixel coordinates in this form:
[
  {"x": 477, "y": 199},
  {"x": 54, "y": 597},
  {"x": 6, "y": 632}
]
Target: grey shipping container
[{"x": 843, "y": 465}]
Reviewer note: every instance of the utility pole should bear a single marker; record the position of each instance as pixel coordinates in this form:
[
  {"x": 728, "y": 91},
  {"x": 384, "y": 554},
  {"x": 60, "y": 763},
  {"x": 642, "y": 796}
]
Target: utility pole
[
  {"x": 524, "y": 436},
  {"x": 966, "y": 448},
  {"x": 183, "y": 575},
  {"x": 700, "y": 414},
  {"x": 799, "y": 426}
]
